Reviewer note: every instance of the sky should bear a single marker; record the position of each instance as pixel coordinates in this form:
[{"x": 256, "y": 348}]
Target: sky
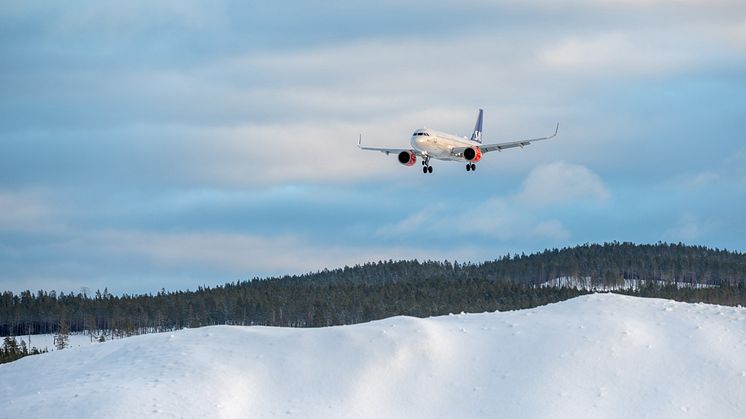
[{"x": 173, "y": 144}]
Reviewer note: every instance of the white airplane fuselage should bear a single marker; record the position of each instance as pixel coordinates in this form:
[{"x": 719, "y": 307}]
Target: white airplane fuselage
[{"x": 438, "y": 145}]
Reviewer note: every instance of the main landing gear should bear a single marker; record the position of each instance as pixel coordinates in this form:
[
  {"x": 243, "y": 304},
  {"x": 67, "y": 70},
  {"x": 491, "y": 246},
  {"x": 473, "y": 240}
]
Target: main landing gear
[
  {"x": 426, "y": 168},
  {"x": 471, "y": 166}
]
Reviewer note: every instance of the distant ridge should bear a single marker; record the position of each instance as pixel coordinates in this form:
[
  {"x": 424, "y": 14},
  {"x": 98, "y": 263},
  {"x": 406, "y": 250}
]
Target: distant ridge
[
  {"x": 607, "y": 263},
  {"x": 383, "y": 289}
]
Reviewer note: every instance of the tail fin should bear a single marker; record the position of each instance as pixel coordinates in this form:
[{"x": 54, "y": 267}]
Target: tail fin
[{"x": 477, "y": 134}]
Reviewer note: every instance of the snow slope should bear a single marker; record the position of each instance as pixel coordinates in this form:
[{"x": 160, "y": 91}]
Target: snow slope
[{"x": 600, "y": 355}]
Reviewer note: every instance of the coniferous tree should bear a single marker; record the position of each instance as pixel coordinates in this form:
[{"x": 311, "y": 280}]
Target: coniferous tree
[{"x": 62, "y": 337}]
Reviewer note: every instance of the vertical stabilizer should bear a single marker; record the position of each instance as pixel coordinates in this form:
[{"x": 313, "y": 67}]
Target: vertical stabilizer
[{"x": 477, "y": 134}]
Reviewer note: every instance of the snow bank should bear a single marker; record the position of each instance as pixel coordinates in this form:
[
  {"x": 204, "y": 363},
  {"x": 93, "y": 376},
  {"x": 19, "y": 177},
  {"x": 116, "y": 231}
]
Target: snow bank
[{"x": 593, "y": 356}]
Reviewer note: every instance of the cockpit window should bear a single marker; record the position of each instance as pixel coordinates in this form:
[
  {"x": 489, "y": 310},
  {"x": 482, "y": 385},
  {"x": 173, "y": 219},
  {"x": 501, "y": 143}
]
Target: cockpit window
[{"x": 421, "y": 133}]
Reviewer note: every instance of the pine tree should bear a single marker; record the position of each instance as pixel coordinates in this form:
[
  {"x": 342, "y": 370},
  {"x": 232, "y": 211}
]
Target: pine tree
[
  {"x": 10, "y": 346},
  {"x": 62, "y": 338}
]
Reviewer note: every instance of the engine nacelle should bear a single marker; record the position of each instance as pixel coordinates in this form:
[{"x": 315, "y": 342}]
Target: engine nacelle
[
  {"x": 407, "y": 158},
  {"x": 473, "y": 154}
]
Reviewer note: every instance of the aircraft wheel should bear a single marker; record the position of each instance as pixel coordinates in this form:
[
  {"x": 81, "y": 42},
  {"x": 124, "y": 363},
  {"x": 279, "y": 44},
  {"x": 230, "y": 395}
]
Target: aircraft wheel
[
  {"x": 424, "y": 169},
  {"x": 468, "y": 167},
  {"x": 429, "y": 169},
  {"x": 473, "y": 167}
]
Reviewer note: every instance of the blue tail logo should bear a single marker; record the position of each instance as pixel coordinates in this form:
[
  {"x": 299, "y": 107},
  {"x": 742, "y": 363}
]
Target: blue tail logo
[{"x": 477, "y": 134}]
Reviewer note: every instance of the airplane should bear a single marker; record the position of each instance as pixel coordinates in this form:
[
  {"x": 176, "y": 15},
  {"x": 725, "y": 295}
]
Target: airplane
[{"x": 427, "y": 143}]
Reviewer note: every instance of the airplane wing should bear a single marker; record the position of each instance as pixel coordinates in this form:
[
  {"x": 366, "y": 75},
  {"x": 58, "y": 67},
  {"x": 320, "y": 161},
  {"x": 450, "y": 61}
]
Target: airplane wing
[
  {"x": 485, "y": 148},
  {"x": 387, "y": 151}
]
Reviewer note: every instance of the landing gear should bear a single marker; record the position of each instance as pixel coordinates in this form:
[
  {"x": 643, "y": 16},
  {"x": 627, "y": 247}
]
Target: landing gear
[
  {"x": 426, "y": 168},
  {"x": 471, "y": 167}
]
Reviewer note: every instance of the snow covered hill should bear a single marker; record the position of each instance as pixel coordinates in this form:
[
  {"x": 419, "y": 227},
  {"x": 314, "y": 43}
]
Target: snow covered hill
[{"x": 600, "y": 355}]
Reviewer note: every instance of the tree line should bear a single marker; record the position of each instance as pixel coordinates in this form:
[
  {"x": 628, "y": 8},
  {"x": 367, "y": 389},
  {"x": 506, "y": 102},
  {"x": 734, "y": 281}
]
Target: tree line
[
  {"x": 12, "y": 350},
  {"x": 386, "y": 288}
]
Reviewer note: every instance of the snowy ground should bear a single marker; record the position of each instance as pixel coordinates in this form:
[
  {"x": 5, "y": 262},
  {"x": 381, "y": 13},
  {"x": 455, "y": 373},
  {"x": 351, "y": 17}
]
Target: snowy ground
[
  {"x": 47, "y": 341},
  {"x": 588, "y": 284},
  {"x": 599, "y": 355}
]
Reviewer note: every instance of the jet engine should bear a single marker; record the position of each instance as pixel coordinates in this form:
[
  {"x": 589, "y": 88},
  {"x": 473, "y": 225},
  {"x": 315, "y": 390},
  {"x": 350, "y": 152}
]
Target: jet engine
[
  {"x": 473, "y": 154},
  {"x": 407, "y": 158}
]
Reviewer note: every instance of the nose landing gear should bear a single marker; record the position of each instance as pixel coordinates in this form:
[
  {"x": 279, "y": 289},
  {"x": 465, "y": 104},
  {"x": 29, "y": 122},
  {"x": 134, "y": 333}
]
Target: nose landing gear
[{"x": 471, "y": 167}]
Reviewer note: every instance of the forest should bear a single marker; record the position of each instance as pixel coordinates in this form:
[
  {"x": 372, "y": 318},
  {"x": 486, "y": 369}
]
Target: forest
[{"x": 387, "y": 288}]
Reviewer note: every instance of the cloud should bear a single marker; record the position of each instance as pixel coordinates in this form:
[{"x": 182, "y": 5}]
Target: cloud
[
  {"x": 27, "y": 211},
  {"x": 739, "y": 32},
  {"x": 418, "y": 221},
  {"x": 135, "y": 17},
  {"x": 561, "y": 182},
  {"x": 502, "y": 219},
  {"x": 734, "y": 163},
  {"x": 730, "y": 172},
  {"x": 552, "y": 229},
  {"x": 702, "y": 179},
  {"x": 514, "y": 216},
  {"x": 85, "y": 257},
  {"x": 493, "y": 219},
  {"x": 238, "y": 254},
  {"x": 19, "y": 210},
  {"x": 688, "y": 229},
  {"x": 617, "y": 53}
]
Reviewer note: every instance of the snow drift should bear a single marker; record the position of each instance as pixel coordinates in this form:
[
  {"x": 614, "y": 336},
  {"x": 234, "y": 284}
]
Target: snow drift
[{"x": 600, "y": 355}]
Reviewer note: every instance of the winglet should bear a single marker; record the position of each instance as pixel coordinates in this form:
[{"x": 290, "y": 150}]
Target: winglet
[{"x": 556, "y": 130}]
